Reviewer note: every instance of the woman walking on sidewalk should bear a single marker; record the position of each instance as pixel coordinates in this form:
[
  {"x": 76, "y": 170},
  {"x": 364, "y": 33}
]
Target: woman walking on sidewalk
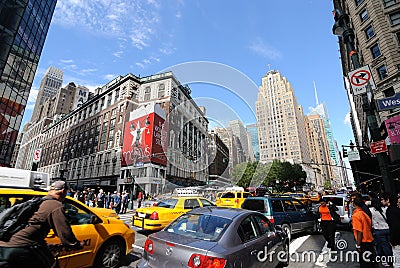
[{"x": 328, "y": 225}]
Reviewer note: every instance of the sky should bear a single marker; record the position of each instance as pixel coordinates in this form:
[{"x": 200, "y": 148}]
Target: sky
[{"x": 221, "y": 49}]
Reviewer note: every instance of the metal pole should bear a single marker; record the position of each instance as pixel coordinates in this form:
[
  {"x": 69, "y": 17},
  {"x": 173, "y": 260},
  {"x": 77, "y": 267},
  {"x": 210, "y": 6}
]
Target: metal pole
[{"x": 368, "y": 107}]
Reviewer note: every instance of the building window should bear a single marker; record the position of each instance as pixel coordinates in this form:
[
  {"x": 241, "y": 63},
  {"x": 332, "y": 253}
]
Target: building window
[
  {"x": 388, "y": 3},
  {"x": 398, "y": 37},
  {"x": 147, "y": 92},
  {"x": 358, "y": 2},
  {"x": 116, "y": 95},
  {"x": 395, "y": 18},
  {"x": 376, "y": 52},
  {"x": 109, "y": 99},
  {"x": 161, "y": 90},
  {"x": 382, "y": 72},
  {"x": 389, "y": 92},
  {"x": 364, "y": 15},
  {"x": 369, "y": 32}
]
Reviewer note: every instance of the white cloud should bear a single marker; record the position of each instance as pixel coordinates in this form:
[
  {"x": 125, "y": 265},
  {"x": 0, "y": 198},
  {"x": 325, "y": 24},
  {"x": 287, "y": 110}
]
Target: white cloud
[
  {"x": 118, "y": 54},
  {"x": 32, "y": 99},
  {"x": 85, "y": 71},
  {"x": 264, "y": 50},
  {"x": 109, "y": 76},
  {"x": 67, "y": 61},
  {"x": 347, "y": 120},
  {"x": 141, "y": 65},
  {"x": 134, "y": 19}
]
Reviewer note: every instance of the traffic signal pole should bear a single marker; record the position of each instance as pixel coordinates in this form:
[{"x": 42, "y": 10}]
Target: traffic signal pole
[{"x": 342, "y": 29}]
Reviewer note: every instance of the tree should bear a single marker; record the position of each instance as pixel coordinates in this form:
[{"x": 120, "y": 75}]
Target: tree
[
  {"x": 249, "y": 174},
  {"x": 289, "y": 176}
]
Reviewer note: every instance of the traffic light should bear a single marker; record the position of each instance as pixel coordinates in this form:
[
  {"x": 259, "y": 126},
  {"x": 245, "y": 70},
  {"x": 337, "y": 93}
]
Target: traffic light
[{"x": 345, "y": 152}]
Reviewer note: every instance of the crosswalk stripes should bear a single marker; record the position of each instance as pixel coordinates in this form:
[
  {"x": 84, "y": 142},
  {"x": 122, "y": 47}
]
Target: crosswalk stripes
[{"x": 127, "y": 217}]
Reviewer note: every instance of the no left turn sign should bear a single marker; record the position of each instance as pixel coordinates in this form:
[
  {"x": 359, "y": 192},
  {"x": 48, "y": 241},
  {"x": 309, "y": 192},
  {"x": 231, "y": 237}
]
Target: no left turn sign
[{"x": 361, "y": 79}]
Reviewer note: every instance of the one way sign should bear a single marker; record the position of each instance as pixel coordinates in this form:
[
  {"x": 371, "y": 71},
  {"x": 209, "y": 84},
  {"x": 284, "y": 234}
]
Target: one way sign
[{"x": 361, "y": 79}]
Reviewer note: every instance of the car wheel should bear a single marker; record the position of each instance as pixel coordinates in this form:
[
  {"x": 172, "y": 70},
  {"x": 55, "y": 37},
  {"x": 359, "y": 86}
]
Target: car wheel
[
  {"x": 286, "y": 258},
  {"x": 286, "y": 229},
  {"x": 110, "y": 255}
]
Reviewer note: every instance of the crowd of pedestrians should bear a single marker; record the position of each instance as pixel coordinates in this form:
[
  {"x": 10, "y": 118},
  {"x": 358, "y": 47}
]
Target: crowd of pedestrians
[
  {"x": 375, "y": 225},
  {"x": 117, "y": 201}
]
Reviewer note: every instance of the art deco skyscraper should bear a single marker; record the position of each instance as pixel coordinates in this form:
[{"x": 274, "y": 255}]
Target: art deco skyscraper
[
  {"x": 280, "y": 121},
  {"x": 23, "y": 29},
  {"x": 51, "y": 83}
]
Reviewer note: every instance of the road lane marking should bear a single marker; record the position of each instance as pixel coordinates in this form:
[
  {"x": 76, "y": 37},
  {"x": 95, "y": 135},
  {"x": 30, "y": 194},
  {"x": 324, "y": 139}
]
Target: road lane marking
[
  {"x": 138, "y": 247},
  {"x": 321, "y": 262},
  {"x": 295, "y": 244}
]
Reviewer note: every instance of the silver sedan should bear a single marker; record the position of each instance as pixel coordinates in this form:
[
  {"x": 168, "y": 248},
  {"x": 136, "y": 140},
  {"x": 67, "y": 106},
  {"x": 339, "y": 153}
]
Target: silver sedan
[{"x": 217, "y": 237}]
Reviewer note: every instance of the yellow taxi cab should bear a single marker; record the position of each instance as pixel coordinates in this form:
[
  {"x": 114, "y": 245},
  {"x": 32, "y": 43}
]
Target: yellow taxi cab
[
  {"x": 167, "y": 210},
  {"x": 107, "y": 239},
  {"x": 233, "y": 197},
  {"x": 218, "y": 196},
  {"x": 314, "y": 196},
  {"x": 305, "y": 199}
]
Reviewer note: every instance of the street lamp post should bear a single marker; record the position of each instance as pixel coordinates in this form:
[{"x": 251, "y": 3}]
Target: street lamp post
[{"x": 341, "y": 28}]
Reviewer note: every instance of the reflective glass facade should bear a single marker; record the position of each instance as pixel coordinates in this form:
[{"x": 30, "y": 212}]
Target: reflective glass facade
[{"x": 23, "y": 29}]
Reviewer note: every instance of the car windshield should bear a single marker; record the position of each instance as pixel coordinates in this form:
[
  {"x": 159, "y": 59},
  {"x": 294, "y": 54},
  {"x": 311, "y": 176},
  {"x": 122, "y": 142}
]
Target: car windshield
[
  {"x": 296, "y": 195},
  {"x": 199, "y": 226},
  {"x": 168, "y": 203},
  {"x": 337, "y": 201},
  {"x": 228, "y": 195}
]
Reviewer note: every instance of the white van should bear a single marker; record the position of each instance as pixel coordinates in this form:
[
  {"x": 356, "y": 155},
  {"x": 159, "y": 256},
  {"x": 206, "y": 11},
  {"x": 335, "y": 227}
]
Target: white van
[{"x": 342, "y": 203}]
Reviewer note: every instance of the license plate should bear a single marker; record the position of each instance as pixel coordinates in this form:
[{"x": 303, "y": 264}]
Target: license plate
[{"x": 141, "y": 215}]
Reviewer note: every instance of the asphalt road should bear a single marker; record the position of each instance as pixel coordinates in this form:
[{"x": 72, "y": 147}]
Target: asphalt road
[{"x": 305, "y": 250}]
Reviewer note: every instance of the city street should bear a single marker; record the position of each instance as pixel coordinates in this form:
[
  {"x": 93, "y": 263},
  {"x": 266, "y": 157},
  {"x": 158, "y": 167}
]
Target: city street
[{"x": 305, "y": 250}]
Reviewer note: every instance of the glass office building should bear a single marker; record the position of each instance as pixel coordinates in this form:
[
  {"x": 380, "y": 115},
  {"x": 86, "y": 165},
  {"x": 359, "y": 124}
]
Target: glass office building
[{"x": 23, "y": 29}]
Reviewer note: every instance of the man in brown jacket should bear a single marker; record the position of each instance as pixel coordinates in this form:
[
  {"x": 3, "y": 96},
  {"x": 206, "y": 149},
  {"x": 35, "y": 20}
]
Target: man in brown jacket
[{"x": 27, "y": 247}]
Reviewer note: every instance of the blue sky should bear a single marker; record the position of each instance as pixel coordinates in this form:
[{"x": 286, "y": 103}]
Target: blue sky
[{"x": 229, "y": 44}]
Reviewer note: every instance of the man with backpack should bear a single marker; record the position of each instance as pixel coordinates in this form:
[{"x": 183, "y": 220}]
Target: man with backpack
[{"x": 27, "y": 247}]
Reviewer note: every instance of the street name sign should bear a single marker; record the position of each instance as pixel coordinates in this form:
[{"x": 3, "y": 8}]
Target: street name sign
[
  {"x": 361, "y": 79},
  {"x": 353, "y": 155},
  {"x": 378, "y": 147},
  {"x": 388, "y": 103}
]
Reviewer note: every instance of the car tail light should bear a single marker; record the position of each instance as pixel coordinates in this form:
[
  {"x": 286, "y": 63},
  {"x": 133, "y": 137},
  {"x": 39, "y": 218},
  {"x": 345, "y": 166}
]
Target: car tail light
[
  {"x": 271, "y": 219},
  {"x": 154, "y": 216},
  {"x": 149, "y": 246},
  {"x": 236, "y": 201},
  {"x": 346, "y": 208},
  {"x": 202, "y": 261}
]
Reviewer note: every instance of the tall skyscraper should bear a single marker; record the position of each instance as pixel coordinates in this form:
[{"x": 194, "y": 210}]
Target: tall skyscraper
[
  {"x": 253, "y": 130},
  {"x": 239, "y": 130},
  {"x": 23, "y": 29},
  {"x": 318, "y": 148},
  {"x": 51, "y": 83},
  {"x": 280, "y": 121},
  {"x": 322, "y": 111}
]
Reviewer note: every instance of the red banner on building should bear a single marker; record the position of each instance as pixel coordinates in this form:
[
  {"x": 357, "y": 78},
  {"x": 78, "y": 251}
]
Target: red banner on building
[{"x": 145, "y": 137}]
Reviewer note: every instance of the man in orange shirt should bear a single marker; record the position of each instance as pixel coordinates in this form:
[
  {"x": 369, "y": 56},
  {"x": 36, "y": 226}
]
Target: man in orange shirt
[{"x": 362, "y": 226}]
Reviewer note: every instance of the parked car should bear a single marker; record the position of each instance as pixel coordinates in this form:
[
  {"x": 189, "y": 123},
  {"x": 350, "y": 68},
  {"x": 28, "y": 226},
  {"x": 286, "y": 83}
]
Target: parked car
[
  {"x": 286, "y": 212},
  {"x": 107, "y": 239},
  {"x": 232, "y": 199},
  {"x": 217, "y": 237},
  {"x": 165, "y": 211},
  {"x": 315, "y": 196},
  {"x": 342, "y": 203}
]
